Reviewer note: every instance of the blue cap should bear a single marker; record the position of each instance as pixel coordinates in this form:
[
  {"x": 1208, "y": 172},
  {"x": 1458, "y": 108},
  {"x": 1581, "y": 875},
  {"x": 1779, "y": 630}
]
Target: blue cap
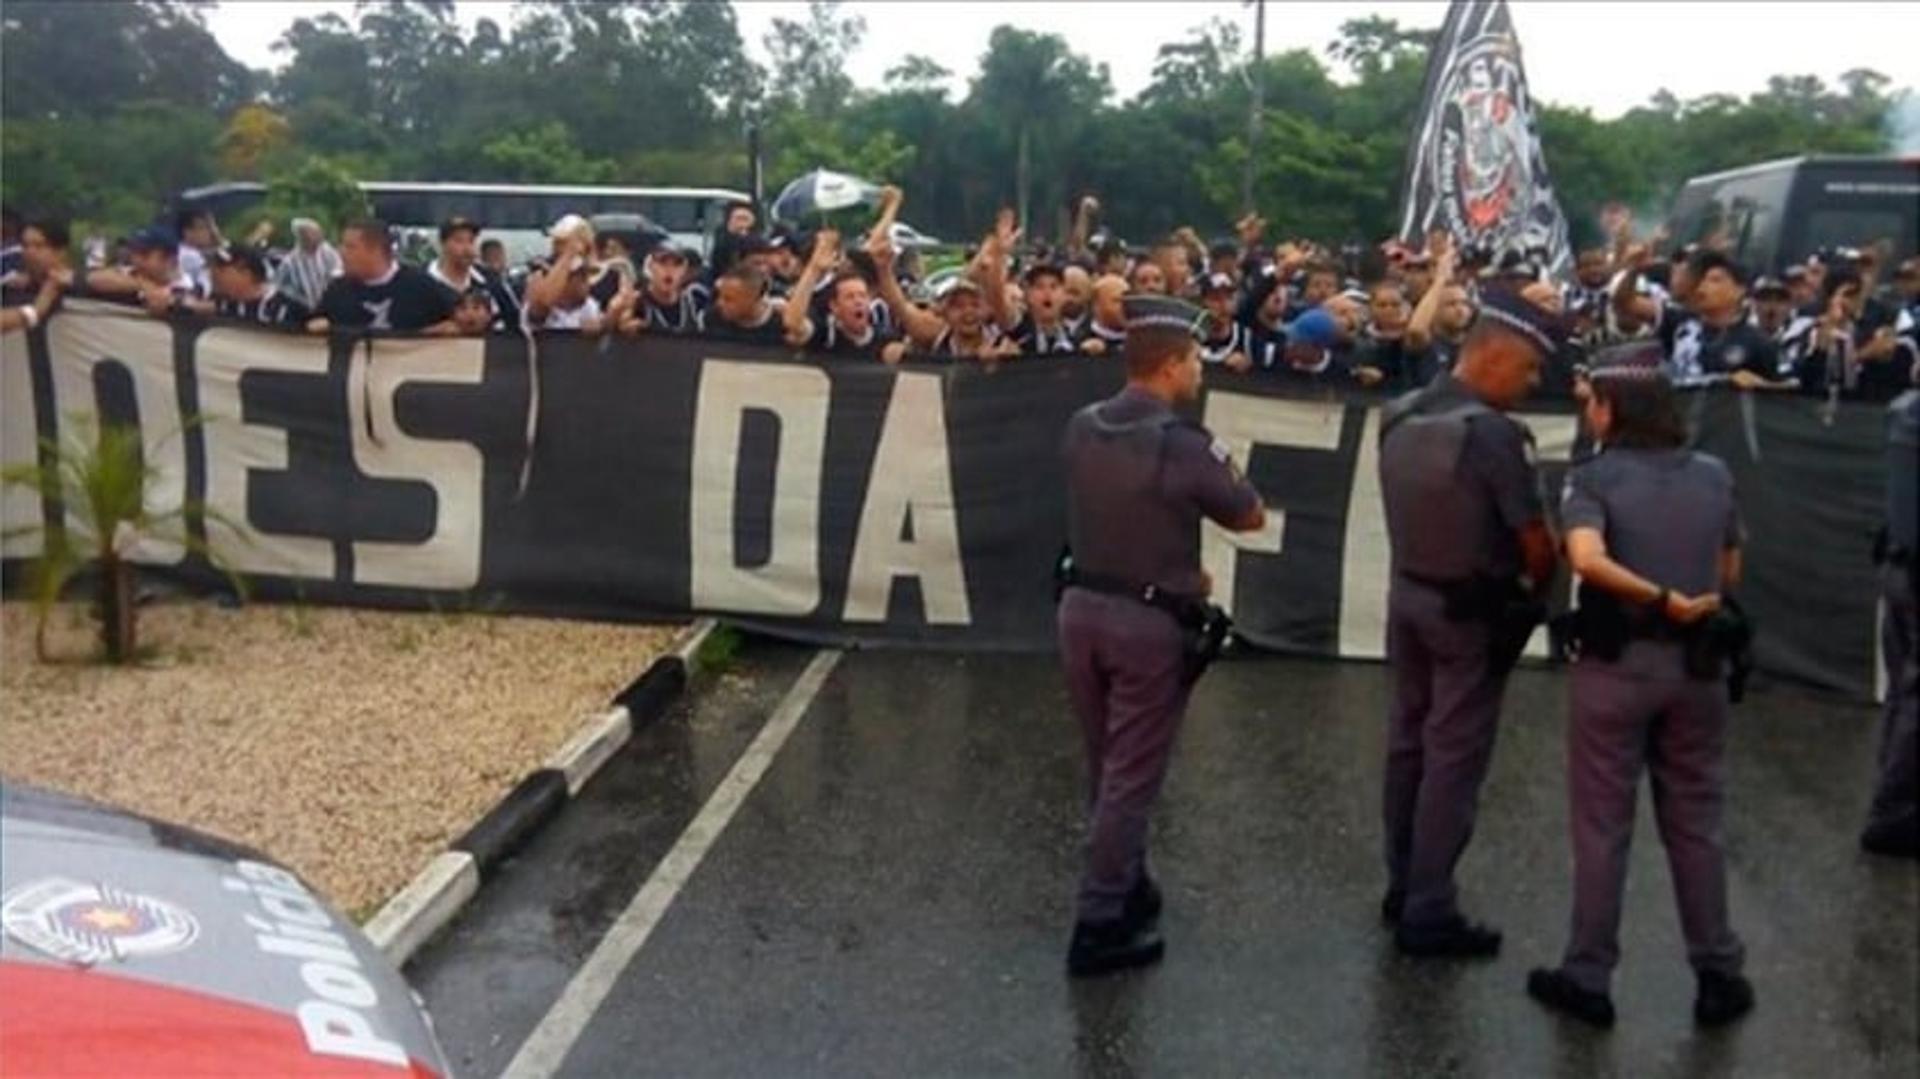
[
  {"x": 153, "y": 238},
  {"x": 1316, "y": 327}
]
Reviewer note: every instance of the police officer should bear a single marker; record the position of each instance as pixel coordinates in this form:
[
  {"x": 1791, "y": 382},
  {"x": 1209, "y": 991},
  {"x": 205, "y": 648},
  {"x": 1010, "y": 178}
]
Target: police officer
[
  {"x": 1893, "y": 824},
  {"x": 1653, "y": 532},
  {"x": 1139, "y": 481},
  {"x": 1466, "y": 524}
]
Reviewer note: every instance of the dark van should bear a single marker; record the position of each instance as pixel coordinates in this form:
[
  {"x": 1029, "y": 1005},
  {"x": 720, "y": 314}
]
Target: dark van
[{"x": 1782, "y": 211}]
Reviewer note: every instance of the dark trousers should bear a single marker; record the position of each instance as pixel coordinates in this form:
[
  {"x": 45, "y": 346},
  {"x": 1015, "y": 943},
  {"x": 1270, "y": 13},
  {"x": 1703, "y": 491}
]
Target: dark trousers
[
  {"x": 1896, "y": 800},
  {"x": 1123, "y": 666},
  {"x": 1674, "y": 728},
  {"x": 1440, "y": 735}
]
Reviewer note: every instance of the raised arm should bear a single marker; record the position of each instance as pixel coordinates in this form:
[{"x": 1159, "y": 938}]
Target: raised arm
[
  {"x": 993, "y": 267},
  {"x": 1420, "y": 324},
  {"x": 796, "y": 316},
  {"x": 923, "y": 327},
  {"x": 1632, "y": 309},
  {"x": 1083, "y": 217}
]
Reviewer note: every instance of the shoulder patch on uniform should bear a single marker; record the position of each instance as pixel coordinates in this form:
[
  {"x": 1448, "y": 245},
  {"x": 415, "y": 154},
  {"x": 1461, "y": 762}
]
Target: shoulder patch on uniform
[{"x": 1220, "y": 451}]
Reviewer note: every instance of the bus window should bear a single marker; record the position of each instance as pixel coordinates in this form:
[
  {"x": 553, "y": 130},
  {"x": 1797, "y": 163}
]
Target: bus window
[{"x": 1854, "y": 227}]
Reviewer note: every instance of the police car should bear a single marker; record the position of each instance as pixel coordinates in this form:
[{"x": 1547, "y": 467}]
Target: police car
[{"x": 133, "y": 947}]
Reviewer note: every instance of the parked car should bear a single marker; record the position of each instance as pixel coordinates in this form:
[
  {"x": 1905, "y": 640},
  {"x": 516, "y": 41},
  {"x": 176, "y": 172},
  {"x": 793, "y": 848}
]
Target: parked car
[{"x": 129, "y": 946}]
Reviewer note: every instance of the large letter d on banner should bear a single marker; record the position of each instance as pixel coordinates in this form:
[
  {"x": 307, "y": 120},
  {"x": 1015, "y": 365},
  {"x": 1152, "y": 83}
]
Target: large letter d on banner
[{"x": 788, "y": 582}]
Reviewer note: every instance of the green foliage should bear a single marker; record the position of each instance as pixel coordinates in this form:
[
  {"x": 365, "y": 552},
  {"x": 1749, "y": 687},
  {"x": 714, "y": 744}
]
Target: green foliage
[
  {"x": 101, "y": 476},
  {"x": 109, "y": 108},
  {"x": 542, "y": 155},
  {"x": 315, "y": 187}
]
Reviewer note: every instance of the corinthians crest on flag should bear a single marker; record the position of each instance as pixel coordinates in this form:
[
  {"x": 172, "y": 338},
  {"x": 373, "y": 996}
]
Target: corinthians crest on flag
[{"x": 1475, "y": 167}]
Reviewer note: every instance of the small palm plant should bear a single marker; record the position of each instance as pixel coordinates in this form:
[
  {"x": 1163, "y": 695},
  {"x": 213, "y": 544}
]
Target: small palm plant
[{"x": 102, "y": 482}]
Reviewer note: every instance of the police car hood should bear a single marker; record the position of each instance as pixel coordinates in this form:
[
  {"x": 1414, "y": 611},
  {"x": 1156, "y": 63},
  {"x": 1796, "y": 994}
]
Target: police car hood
[{"x": 133, "y": 947}]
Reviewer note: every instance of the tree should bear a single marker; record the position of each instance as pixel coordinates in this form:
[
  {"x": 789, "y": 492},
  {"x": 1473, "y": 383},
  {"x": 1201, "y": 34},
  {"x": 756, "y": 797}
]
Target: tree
[
  {"x": 917, "y": 74},
  {"x": 810, "y": 58},
  {"x": 254, "y": 135},
  {"x": 1045, "y": 92},
  {"x": 544, "y": 155},
  {"x": 1375, "y": 42}
]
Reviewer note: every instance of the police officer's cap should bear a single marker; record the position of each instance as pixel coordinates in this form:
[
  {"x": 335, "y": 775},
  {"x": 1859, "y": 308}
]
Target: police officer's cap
[
  {"x": 1632, "y": 363},
  {"x": 1523, "y": 318},
  {"x": 1146, "y": 311}
]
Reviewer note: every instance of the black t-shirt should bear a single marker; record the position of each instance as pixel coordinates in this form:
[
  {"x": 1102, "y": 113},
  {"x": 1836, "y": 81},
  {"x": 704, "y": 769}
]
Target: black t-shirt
[
  {"x": 408, "y": 300},
  {"x": 829, "y": 338},
  {"x": 271, "y": 309},
  {"x": 683, "y": 314},
  {"x": 771, "y": 331},
  {"x": 1696, "y": 351},
  {"x": 1063, "y": 338}
]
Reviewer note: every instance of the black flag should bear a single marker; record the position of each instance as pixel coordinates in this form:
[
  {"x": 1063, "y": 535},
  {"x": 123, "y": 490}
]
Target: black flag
[{"x": 1474, "y": 166}]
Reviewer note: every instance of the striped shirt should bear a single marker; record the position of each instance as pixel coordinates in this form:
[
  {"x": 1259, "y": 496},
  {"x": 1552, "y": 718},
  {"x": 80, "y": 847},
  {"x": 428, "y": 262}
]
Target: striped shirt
[
  {"x": 1238, "y": 339},
  {"x": 683, "y": 314},
  {"x": 304, "y": 275}
]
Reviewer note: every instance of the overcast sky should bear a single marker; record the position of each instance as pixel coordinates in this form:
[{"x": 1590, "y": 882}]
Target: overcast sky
[{"x": 1606, "y": 56}]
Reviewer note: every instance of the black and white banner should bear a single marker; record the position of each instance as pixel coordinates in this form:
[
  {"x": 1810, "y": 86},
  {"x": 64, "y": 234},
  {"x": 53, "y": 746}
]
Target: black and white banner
[
  {"x": 836, "y": 500},
  {"x": 1475, "y": 168}
]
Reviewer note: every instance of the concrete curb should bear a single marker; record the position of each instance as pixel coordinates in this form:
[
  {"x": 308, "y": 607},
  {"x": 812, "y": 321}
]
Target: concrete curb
[{"x": 440, "y": 890}]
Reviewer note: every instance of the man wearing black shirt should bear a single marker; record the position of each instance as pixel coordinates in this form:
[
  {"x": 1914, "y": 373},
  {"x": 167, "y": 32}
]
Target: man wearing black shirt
[
  {"x": 242, "y": 292},
  {"x": 669, "y": 301},
  {"x": 376, "y": 292},
  {"x": 1044, "y": 329},
  {"x": 846, "y": 326},
  {"x": 741, "y": 309},
  {"x": 1711, "y": 337},
  {"x": 458, "y": 269},
  {"x": 1225, "y": 341},
  {"x": 1828, "y": 355}
]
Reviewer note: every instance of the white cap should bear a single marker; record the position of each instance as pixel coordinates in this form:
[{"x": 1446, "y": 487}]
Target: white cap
[{"x": 569, "y": 225}]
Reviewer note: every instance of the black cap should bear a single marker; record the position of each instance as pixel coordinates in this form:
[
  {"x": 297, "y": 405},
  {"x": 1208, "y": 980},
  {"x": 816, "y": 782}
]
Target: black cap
[
  {"x": 1706, "y": 260},
  {"x": 1523, "y": 318},
  {"x": 1769, "y": 286},
  {"x": 1043, "y": 269},
  {"x": 241, "y": 256},
  {"x": 1151, "y": 311},
  {"x": 456, "y": 223},
  {"x": 1216, "y": 283},
  {"x": 1222, "y": 246},
  {"x": 753, "y": 244}
]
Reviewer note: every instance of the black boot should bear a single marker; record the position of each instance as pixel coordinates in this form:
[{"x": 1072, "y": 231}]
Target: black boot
[
  {"x": 1143, "y": 904},
  {"x": 1723, "y": 998},
  {"x": 1453, "y": 938},
  {"x": 1900, "y": 840},
  {"x": 1390, "y": 907},
  {"x": 1559, "y": 992},
  {"x": 1107, "y": 947}
]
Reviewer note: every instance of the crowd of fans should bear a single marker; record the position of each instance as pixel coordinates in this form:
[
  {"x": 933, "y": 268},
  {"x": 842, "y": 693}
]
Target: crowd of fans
[{"x": 1389, "y": 317}]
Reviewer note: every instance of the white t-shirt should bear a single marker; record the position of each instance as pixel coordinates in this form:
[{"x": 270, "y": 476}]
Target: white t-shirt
[{"x": 566, "y": 318}]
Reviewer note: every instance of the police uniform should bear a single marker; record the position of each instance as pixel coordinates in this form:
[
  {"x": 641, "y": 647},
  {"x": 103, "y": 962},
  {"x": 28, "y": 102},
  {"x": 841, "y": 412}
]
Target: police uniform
[
  {"x": 1666, "y": 515},
  {"x": 1140, "y": 479},
  {"x": 1459, "y": 484},
  {"x": 1893, "y": 823}
]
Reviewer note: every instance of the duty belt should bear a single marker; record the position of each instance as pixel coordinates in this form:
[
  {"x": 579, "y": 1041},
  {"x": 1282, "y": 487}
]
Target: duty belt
[{"x": 1188, "y": 610}]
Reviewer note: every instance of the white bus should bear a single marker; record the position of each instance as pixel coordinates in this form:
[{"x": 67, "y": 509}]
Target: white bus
[{"x": 518, "y": 215}]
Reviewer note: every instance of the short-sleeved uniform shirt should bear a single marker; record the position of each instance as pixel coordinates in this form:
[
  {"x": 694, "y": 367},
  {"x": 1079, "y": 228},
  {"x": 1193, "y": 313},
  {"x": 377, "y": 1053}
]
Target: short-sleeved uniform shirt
[
  {"x": 1157, "y": 541},
  {"x": 1665, "y": 514},
  {"x": 1496, "y": 466}
]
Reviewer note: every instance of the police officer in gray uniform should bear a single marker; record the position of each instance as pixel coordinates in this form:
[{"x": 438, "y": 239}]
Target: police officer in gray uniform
[
  {"x": 1140, "y": 481},
  {"x": 1653, "y": 532},
  {"x": 1893, "y": 824},
  {"x": 1467, "y": 526}
]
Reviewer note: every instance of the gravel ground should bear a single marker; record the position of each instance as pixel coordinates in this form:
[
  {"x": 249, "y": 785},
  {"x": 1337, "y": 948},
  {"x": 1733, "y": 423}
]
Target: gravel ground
[{"x": 350, "y": 744}]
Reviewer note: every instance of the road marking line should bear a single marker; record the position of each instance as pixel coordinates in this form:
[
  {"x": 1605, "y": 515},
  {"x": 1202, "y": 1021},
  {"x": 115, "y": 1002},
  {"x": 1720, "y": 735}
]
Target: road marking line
[{"x": 546, "y": 1048}]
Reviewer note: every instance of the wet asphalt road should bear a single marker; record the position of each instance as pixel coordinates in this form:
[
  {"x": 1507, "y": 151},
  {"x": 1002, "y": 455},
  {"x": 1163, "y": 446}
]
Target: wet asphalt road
[{"x": 894, "y": 896}]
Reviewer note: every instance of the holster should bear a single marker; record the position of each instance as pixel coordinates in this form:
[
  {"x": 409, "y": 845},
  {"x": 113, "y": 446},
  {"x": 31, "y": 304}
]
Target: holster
[
  {"x": 1723, "y": 643},
  {"x": 1204, "y": 626},
  {"x": 1510, "y": 612}
]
